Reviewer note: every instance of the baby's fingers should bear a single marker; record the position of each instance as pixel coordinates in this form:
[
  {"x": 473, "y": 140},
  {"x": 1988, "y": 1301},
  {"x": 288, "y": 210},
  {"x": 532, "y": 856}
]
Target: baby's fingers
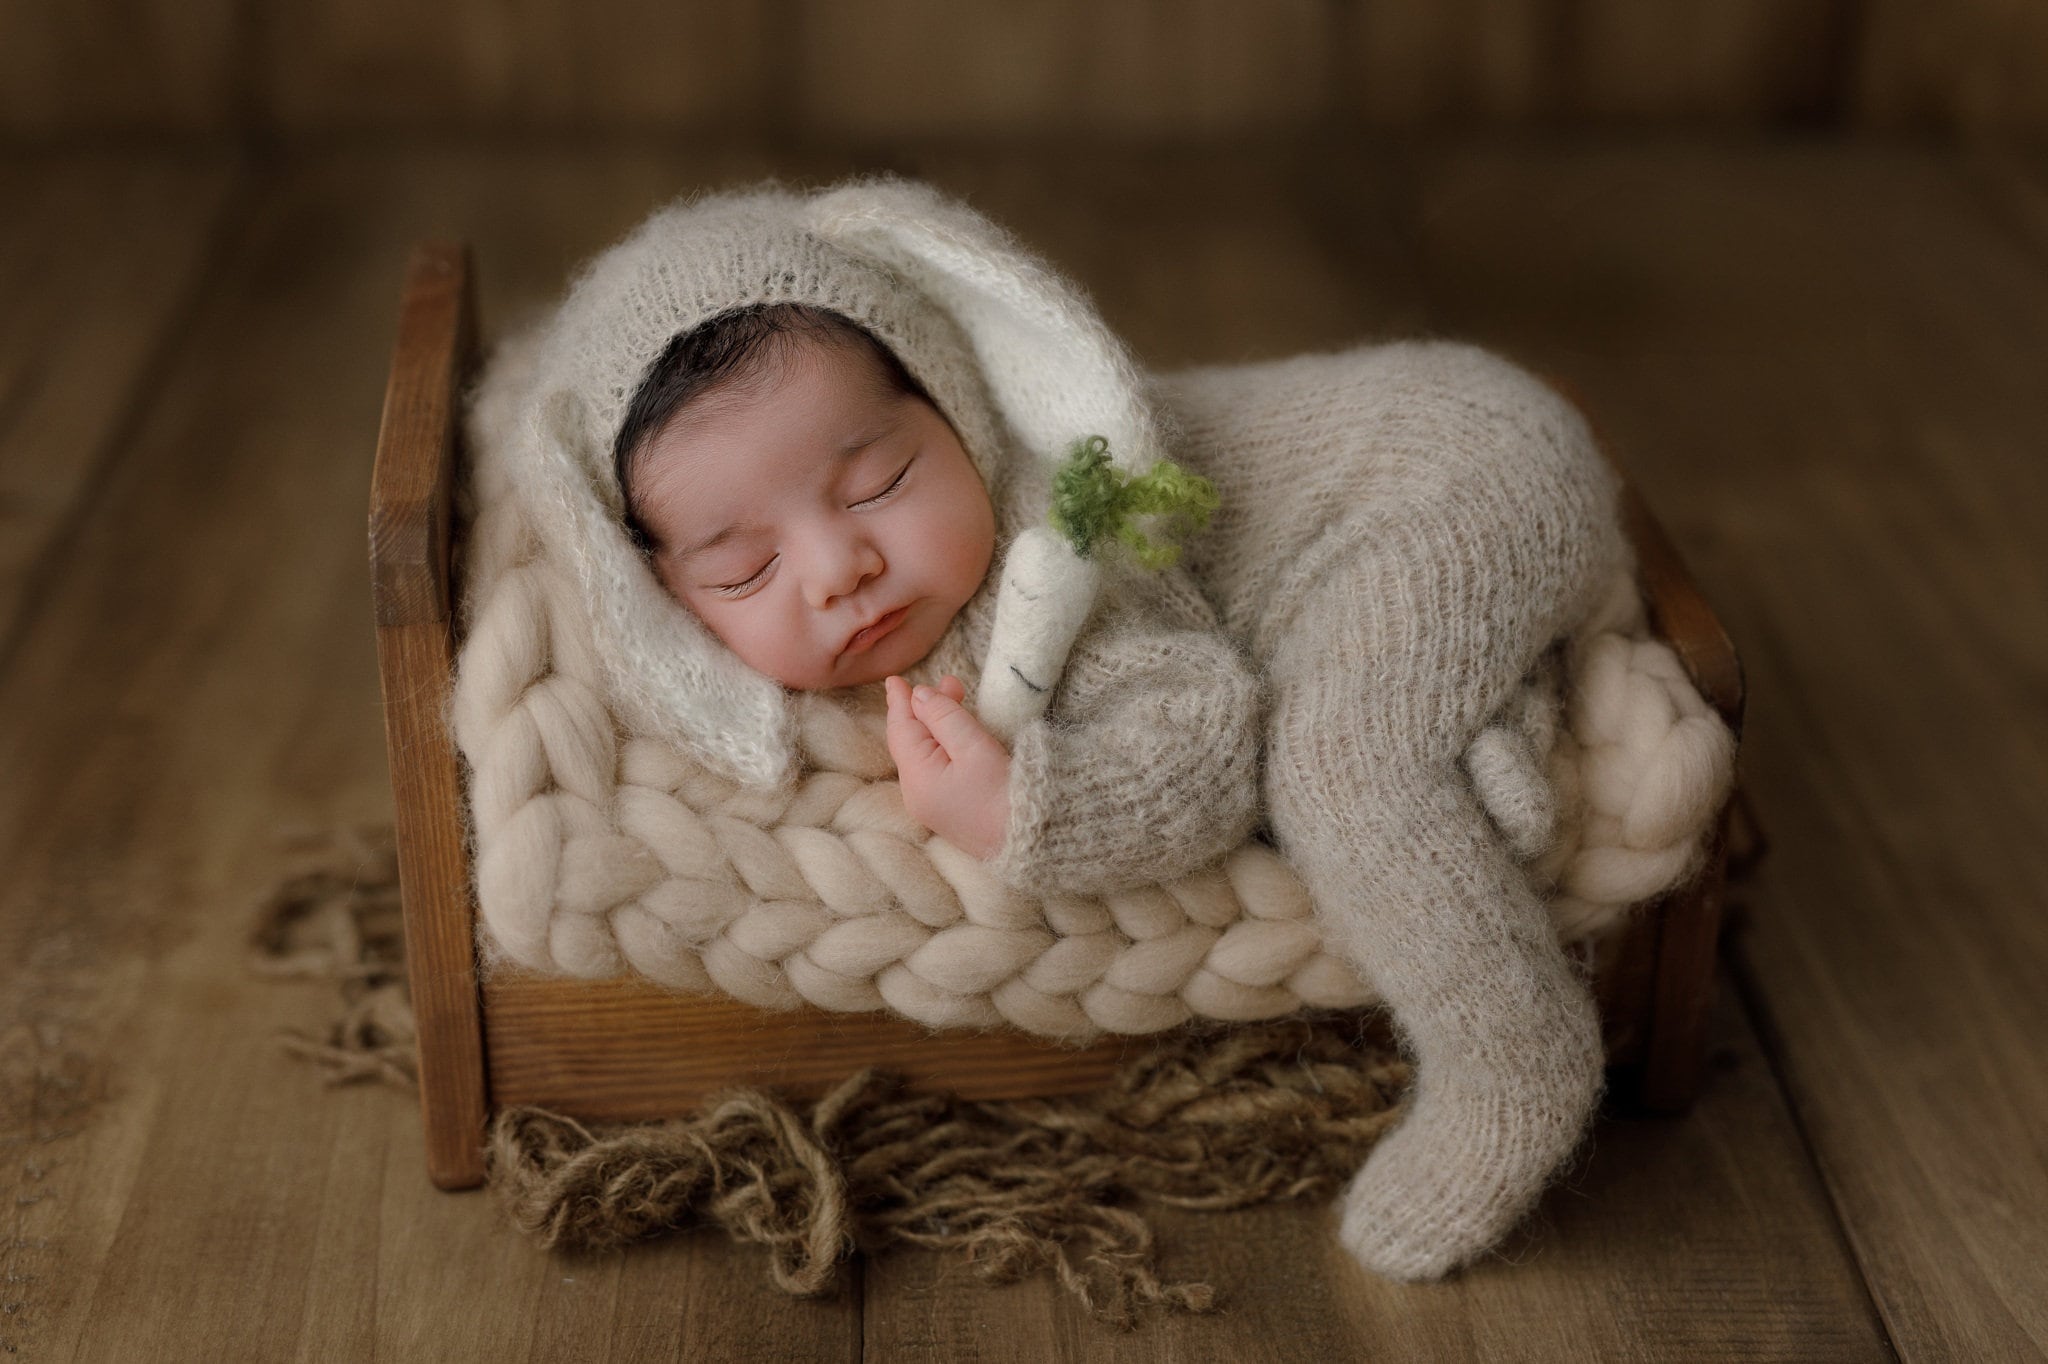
[
  {"x": 910, "y": 740},
  {"x": 951, "y": 724}
]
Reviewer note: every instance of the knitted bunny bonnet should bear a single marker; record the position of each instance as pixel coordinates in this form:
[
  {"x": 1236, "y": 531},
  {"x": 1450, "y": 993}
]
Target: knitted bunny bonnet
[{"x": 1012, "y": 355}]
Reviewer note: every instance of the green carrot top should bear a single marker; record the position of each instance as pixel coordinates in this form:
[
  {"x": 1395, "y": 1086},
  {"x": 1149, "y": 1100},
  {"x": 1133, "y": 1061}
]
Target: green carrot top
[{"x": 1091, "y": 499}]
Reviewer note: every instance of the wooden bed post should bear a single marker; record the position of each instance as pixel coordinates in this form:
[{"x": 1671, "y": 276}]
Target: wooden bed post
[
  {"x": 1689, "y": 926},
  {"x": 411, "y": 507}
]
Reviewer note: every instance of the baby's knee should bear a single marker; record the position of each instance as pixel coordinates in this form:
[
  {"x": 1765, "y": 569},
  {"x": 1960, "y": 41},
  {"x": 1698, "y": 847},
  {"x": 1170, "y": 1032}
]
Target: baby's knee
[
  {"x": 1342, "y": 788},
  {"x": 1487, "y": 409},
  {"x": 1477, "y": 378}
]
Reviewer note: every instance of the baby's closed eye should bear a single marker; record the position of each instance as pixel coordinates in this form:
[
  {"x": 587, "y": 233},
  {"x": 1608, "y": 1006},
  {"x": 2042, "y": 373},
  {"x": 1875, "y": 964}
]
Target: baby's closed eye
[
  {"x": 895, "y": 484},
  {"x": 751, "y": 580}
]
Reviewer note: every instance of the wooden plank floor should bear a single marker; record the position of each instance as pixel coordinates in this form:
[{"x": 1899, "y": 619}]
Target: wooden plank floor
[{"x": 1824, "y": 366}]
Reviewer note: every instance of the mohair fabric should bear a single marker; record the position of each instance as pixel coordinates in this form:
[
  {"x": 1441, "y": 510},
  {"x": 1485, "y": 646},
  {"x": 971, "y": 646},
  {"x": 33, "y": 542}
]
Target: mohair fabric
[
  {"x": 1405, "y": 530},
  {"x": 1416, "y": 557}
]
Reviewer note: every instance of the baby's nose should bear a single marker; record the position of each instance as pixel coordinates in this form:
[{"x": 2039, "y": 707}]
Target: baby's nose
[{"x": 841, "y": 570}]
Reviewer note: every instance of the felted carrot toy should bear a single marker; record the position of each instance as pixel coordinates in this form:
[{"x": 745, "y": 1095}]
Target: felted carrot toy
[{"x": 1056, "y": 566}]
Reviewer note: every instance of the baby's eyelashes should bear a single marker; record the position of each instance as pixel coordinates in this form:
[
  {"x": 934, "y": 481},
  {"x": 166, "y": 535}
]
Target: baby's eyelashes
[
  {"x": 751, "y": 580},
  {"x": 890, "y": 491}
]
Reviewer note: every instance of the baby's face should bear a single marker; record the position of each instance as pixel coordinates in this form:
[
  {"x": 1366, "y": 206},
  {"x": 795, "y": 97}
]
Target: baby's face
[{"x": 825, "y": 526}]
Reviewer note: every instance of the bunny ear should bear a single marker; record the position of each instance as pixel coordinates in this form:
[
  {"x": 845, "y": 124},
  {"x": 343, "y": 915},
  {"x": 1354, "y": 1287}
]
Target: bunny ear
[
  {"x": 669, "y": 677},
  {"x": 1057, "y": 374}
]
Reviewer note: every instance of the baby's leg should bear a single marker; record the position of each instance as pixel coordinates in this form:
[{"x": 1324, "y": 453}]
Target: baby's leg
[
  {"x": 1406, "y": 528},
  {"x": 1416, "y": 886}
]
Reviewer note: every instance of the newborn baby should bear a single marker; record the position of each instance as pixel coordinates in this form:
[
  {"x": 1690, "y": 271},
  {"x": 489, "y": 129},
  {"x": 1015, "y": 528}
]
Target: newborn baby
[{"x": 807, "y": 442}]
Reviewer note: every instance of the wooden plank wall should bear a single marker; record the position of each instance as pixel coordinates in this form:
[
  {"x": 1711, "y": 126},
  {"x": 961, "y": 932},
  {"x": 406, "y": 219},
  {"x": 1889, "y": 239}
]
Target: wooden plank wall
[{"x": 1135, "y": 70}]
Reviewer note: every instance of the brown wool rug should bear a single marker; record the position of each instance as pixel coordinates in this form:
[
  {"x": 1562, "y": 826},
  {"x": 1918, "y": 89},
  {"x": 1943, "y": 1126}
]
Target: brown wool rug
[{"x": 1213, "y": 1118}]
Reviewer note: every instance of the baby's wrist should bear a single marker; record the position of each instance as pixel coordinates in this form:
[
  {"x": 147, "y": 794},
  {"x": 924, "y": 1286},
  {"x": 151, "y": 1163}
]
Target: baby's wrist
[
  {"x": 996, "y": 827},
  {"x": 981, "y": 829}
]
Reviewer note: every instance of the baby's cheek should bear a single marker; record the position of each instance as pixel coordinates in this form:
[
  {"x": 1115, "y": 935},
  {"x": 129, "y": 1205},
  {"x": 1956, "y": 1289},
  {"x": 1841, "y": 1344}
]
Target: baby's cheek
[
  {"x": 757, "y": 648},
  {"x": 794, "y": 659},
  {"x": 968, "y": 558},
  {"x": 961, "y": 527}
]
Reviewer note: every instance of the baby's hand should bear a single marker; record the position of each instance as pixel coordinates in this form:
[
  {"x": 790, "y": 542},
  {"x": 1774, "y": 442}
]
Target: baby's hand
[{"x": 955, "y": 774}]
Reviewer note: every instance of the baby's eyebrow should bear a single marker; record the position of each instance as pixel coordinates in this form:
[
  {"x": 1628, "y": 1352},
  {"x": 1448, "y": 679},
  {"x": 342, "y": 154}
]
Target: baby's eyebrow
[{"x": 840, "y": 456}]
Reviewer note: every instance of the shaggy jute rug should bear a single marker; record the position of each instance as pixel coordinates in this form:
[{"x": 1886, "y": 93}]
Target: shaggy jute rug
[{"x": 1212, "y": 1118}]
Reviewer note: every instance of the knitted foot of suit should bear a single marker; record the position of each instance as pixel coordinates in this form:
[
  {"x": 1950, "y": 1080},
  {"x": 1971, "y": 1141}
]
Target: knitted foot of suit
[{"x": 1477, "y": 528}]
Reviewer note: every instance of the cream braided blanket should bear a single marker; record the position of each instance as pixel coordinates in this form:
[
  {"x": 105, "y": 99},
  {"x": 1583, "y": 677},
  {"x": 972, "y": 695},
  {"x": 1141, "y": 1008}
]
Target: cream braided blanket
[{"x": 599, "y": 852}]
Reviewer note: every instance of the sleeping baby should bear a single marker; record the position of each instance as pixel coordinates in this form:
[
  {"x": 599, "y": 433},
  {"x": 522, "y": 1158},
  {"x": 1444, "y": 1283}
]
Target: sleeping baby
[
  {"x": 861, "y": 439},
  {"x": 798, "y": 491}
]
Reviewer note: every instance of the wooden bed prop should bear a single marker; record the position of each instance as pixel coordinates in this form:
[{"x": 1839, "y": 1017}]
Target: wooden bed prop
[{"x": 628, "y": 1049}]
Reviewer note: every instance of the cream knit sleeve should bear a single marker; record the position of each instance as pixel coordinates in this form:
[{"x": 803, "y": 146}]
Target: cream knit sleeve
[{"x": 1146, "y": 765}]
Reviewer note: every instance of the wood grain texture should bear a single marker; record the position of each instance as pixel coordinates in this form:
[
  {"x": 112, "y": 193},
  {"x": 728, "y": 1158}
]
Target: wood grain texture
[
  {"x": 99, "y": 259},
  {"x": 1681, "y": 615},
  {"x": 1830, "y": 363},
  {"x": 1199, "y": 256},
  {"x": 201, "y": 682},
  {"x": 618, "y": 66},
  {"x": 412, "y": 486},
  {"x": 412, "y": 490},
  {"x": 1971, "y": 68},
  {"x": 1543, "y": 62},
  {"x": 433, "y": 876},
  {"x": 1688, "y": 926},
  {"x": 628, "y": 1049},
  {"x": 938, "y": 69},
  {"x": 817, "y": 72},
  {"x": 118, "y": 66},
  {"x": 1700, "y": 1240},
  {"x": 187, "y": 688},
  {"x": 1734, "y": 66}
]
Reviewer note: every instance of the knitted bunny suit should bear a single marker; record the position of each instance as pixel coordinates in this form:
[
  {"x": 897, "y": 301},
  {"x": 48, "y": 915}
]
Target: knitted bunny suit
[{"x": 1405, "y": 533}]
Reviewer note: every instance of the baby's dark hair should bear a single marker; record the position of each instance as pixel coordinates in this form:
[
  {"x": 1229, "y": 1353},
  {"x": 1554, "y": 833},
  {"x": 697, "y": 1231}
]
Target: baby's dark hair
[{"x": 736, "y": 346}]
